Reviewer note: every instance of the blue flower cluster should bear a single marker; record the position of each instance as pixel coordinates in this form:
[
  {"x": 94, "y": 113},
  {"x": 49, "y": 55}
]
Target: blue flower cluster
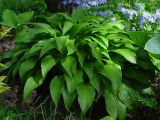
[
  {"x": 103, "y": 13},
  {"x": 129, "y": 13},
  {"x": 144, "y": 16},
  {"x": 85, "y": 3},
  {"x": 148, "y": 17},
  {"x": 158, "y": 14}
]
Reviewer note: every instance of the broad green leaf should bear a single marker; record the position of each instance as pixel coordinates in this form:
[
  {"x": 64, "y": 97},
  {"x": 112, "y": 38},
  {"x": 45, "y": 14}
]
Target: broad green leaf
[
  {"x": 25, "y": 67},
  {"x": 46, "y": 28},
  {"x": 107, "y": 118},
  {"x": 71, "y": 46},
  {"x": 69, "y": 64},
  {"x": 2, "y": 65},
  {"x": 86, "y": 96},
  {"x": 78, "y": 14},
  {"x": 111, "y": 103},
  {"x": 77, "y": 28},
  {"x": 61, "y": 43},
  {"x": 139, "y": 37},
  {"x": 10, "y": 18},
  {"x": 56, "y": 87},
  {"x": 81, "y": 54},
  {"x": 27, "y": 34},
  {"x": 153, "y": 45},
  {"x": 34, "y": 50},
  {"x": 99, "y": 42},
  {"x": 46, "y": 49},
  {"x": 31, "y": 84},
  {"x": 139, "y": 77},
  {"x": 68, "y": 98},
  {"x": 128, "y": 54},
  {"x": 25, "y": 17},
  {"x": 96, "y": 52},
  {"x": 114, "y": 24},
  {"x": 47, "y": 63},
  {"x": 67, "y": 26},
  {"x": 156, "y": 62},
  {"x": 2, "y": 78},
  {"x": 3, "y": 87},
  {"x": 95, "y": 82},
  {"x": 74, "y": 80},
  {"x": 125, "y": 97},
  {"x": 113, "y": 72},
  {"x": 121, "y": 111}
]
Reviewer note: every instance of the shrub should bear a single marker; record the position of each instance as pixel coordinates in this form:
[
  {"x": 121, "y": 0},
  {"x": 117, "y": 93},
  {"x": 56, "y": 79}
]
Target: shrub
[{"x": 92, "y": 57}]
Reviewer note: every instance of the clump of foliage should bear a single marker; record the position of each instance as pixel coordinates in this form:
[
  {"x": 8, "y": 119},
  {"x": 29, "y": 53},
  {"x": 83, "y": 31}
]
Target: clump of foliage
[
  {"x": 19, "y": 6},
  {"x": 82, "y": 56},
  {"x": 3, "y": 86},
  {"x": 12, "y": 20}
]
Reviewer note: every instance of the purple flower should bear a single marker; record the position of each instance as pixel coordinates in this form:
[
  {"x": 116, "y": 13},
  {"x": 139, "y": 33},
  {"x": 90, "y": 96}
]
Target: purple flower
[
  {"x": 84, "y": 3},
  {"x": 149, "y": 17},
  {"x": 129, "y": 13},
  {"x": 103, "y": 13},
  {"x": 138, "y": 6},
  {"x": 119, "y": 7},
  {"x": 64, "y": 2},
  {"x": 158, "y": 14}
]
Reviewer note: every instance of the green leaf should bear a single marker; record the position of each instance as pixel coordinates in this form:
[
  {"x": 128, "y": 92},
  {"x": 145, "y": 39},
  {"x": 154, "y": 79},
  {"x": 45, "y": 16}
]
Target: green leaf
[
  {"x": 47, "y": 63},
  {"x": 77, "y": 28},
  {"x": 107, "y": 118},
  {"x": 128, "y": 54},
  {"x": 86, "y": 96},
  {"x": 10, "y": 18},
  {"x": 46, "y": 28},
  {"x": 27, "y": 34},
  {"x": 46, "y": 49},
  {"x": 111, "y": 104},
  {"x": 2, "y": 65},
  {"x": 69, "y": 64},
  {"x": 2, "y": 78},
  {"x": 148, "y": 91},
  {"x": 78, "y": 14},
  {"x": 3, "y": 86},
  {"x": 61, "y": 42},
  {"x": 34, "y": 50},
  {"x": 88, "y": 68},
  {"x": 68, "y": 98},
  {"x": 25, "y": 17},
  {"x": 81, "y": 54},
  {"x": 153, "y": 45},
  {"x": 139, "y": 37},
  {"x": 125, "y": 97},
  {"x": 74, "y": 80},
  {"x": 25, "y": 67},
  {"x": 56, "y": 87},
  {"x": 113, "y": 72},
  {"x": 71, "y": 46},
  {"x": 95, "y": 49},
  {"x": 67, "y": 26},
  {"x": 121, "y": 111},
  {"x": 31, "y": 84}
]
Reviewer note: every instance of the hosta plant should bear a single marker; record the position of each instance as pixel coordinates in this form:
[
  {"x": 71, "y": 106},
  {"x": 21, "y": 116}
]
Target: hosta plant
[
  {"x": 81, "y": 56},
  {"x": 11, "y": 19}
]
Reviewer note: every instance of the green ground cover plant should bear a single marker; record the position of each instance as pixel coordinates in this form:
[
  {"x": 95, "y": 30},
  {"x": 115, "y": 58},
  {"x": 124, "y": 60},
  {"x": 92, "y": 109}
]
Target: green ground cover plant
[{"x": 83, "y": 57}]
